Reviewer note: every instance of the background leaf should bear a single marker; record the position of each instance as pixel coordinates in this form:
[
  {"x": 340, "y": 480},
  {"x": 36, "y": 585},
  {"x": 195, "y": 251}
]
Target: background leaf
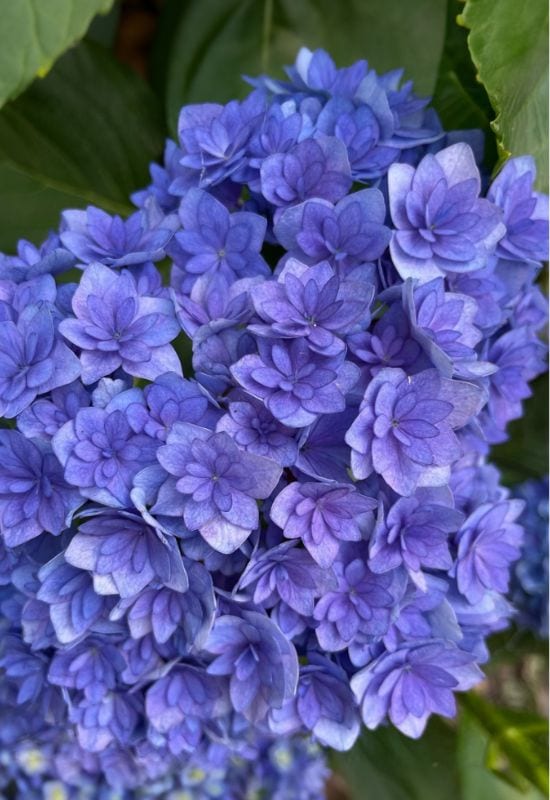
[
  {"x": 477, "y": 781},
  {"x": 198, "y": 39},
  {"x": 85, "y": 134},
  {"x": 517, "y": 741},
  {"x": 509, "y": 46},
  {"x": 461, "y": 101},
  {"x": 386, "y": 765},
  {"x": 34, "y": 33}
]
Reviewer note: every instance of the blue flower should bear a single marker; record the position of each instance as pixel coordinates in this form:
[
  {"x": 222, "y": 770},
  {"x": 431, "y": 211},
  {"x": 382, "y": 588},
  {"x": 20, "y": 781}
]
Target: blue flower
[
  {"x": 214, "y": 139},
  {"x": 311, "y": 302},
  {"x": 215, "y": 241},
  {"x": 261, "y": 664},
  {"x": 295, "y": 383},
  {"x": 312, "y": 168},
  {"x": 323, "y": 705},
  {"x": 126, "y": 555},
  {"x": 220, "y": 483},
  {"x": 322, "y": 515},
  {"x": 441, "y": 224},
  {"x": 404, "y": 430},
  {"x": 413, "y": 682},
  {"x": 34, "y": 497},
  {"x": 101, "y": 454},
  {"x": 525, "y": 211},
  {"x": 93, "y": 235},
  {"x": 115, "y": 326},
  {"x": 33, "y": 359},
  {"x": 488, "y": 543},
  {"x": 74, "y": 605},
  {"x": 361, "y": 603},
  {"x": 346, "y": 234}
]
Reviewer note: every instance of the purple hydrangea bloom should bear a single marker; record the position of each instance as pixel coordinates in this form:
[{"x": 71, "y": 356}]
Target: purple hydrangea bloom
[
  {"x": 416, "y": 533},
  {"x": 34, "y": 497},
  {"x": 389, "y": 344},
  {"x": 312, "y": 168},
  {"x": 163, "y": 611},
  {"x": 125, "y": 555},
  {"x": 443, "y": 323},
  {"x": 525, "y": 211},
  {"x": 324, "y": 705},
  {"x": 413, "y": 682},
  {"x": 94, "y": 235},
  {"x": 261, "y": 662},
  {"x": 295, "y": 383},
  {"x": 115, "y": 326},
  {"x": 43, "y": 418},
  {"x": 186, "y": 695},
  {"x": 256, "y": 430},
  {"x": 313, "y": 303},
  {"x": 288, "y": 574},
  {"x": 214, "y": 139},
  {"x": 74, "y": 605},
  {"x": 215, "y": 241},
  {"x": 322, "y": 515},
  {"x": 101, "y": 454},
  {"x": 91, "y": 667},
  {"x": 109, "y": 719},
  {"x": 220, "y": 482},
  {"x": 441, "y": 224},
  {"x": 488, "y": 542},
  {"x": 346, "y": 234},
  {"x": 167, "y": 400},
  {"x": 32, "y": 261},
  {"x": 362, "y": 603},
  {"x": 33, "y": 359},
  {"x": 404, "y": 430},
  {"x": 362, "y": 131}
]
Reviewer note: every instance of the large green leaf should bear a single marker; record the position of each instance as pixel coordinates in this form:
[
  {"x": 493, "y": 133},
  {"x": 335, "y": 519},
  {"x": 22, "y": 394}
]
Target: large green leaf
[
  {"x": 461, "y": 101},
  {"x": 509, "y": 46},
  {"x": 386, "y": 765},
  {"x": 85, "y": 134},
  {"x": 204, "y": 46},
  {"x": 476, "y": 768},
  {"x": 33, "y": 33},
  {"x": 525, "y": 454},
  {"x": 463, "y": 762},
  {"x": 517, "y": 742}
]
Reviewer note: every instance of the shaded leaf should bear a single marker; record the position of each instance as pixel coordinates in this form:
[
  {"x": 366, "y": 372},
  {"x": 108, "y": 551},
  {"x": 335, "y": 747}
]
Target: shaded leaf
[
  {"x": 386, "y": 765},
  {"x": 85, "y": 134},
  {"x": 509, "y": 46},
  {"x": 517, "y": 742},
  {"x": 34, "y": 33},
  {"x": 525, "y": 454},
  {"x": 204, "y": 46}
]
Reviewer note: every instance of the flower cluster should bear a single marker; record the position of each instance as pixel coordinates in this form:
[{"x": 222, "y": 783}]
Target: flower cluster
[
  {"x": 530, "y": 579},
  {"x": 288, "y": 768},
  {"x": 303, "y": 536}
]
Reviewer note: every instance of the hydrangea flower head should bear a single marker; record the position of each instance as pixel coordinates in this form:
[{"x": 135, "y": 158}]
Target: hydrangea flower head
[{"x": 205, "y": 578}]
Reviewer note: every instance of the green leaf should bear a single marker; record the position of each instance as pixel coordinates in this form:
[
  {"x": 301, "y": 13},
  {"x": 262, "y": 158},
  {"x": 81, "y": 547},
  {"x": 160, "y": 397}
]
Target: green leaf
[
  {"x": 29, "y": 209},
  {"x": 508, "y": 44},
  {"x": 461, "y": 101},
  {"x": 477, "y": 779},
  {"x": 204, "y": 46},
  {"x": 517, "y": 742},
  {"x": 34, "y": 33},
  {"x": 85, "y": 134},
  {"x": 525, "y": 454},
  {"x": 386, "y": 765}
]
